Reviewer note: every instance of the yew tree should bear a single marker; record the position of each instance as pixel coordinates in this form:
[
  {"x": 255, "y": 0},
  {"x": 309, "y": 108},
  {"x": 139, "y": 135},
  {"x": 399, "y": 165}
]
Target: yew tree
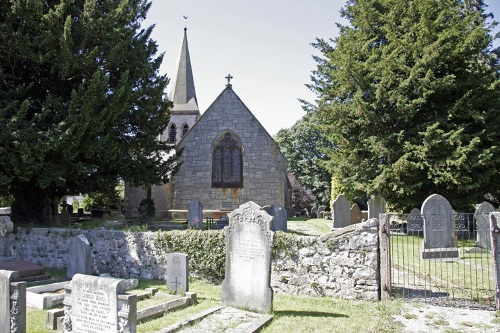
[
  {"x": 82, "y": 102},
  {"x": 410, "y": 93}
]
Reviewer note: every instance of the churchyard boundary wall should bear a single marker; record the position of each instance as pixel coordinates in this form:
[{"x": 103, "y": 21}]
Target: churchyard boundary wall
[{"x": 343, "y": 263}]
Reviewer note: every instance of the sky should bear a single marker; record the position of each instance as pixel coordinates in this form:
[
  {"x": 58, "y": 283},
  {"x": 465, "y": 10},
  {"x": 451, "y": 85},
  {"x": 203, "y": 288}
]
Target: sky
[{"x": 265, "y": 45}]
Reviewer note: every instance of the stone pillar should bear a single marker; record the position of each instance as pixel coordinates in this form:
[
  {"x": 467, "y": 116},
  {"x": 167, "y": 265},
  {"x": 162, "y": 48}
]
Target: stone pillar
[{"x": 495, "y": 248}]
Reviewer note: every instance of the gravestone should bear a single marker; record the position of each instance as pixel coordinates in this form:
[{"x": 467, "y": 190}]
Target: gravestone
[
  {"x": 249, "y": 242},
  {"x": 99, "y": 305},
  {"x": 79, "y": 257},
  {"x": 439, "y": 238},
  {"x": 482, "y": 216},
  {"x": 320, "y": 211},
  {"x": 279, "y": 215},
  {"x": 376, "y": 206},
  {"x": 64, "y": 217},
  {"x": 195, "y": 214},
  {"x": 6, "y": 227},
  {"x": 341, "y": 212},
  {"x": 414, "y": 222},
  {"x": 178, "y": 272},
  {"x": 355, "y": 214},
  {"x": 12, "y": 303},
  {"x": 314, "y": 212}
]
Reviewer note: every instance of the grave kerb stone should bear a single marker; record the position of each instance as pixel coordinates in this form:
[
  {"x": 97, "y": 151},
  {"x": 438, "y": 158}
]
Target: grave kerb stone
[{"x": 247, "y": 282}]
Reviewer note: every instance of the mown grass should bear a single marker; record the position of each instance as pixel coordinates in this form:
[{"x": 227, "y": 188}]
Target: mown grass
[
  {"x": 308, "y": 226},
  {"x": 291, "y": 313}
]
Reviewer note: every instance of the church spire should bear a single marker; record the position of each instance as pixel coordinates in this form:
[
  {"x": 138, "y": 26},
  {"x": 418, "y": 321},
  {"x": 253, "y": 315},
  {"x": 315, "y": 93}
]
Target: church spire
[{"x": 183, "y": 93}]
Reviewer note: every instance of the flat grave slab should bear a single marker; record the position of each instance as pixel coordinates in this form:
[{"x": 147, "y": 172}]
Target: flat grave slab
[
  {"x": 221, "y": 319},
  {"x": 25, "y": 268}
]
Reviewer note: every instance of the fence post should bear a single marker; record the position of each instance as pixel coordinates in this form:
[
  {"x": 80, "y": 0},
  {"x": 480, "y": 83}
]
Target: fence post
[
  {"x": 384, "y": 257},
  {"x": 495, "y": 248}
]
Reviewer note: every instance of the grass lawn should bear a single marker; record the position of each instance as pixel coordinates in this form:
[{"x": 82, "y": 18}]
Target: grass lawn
[
  {"x": 291, "y": 313},
  {"x": 309, "y": 226}
]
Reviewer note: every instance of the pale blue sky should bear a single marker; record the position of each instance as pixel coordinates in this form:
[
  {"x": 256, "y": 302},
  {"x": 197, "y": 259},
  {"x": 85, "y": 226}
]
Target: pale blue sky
[{"x": 264, "y": 45}]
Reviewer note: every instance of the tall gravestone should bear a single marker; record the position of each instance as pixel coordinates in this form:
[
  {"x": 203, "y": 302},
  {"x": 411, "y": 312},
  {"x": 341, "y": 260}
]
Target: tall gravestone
[
  {"x": 482, "y": 217},
  {"x": 99, "y": 305},
  {"x": 355, "y": 214},
  {"x": 341, "y": 212},
  {"x": 6, "y": 227},
  {"x": 439, "y": 234},
  {"x": 12, "y": 303},
  {"x": 280, "y": 218},
  {"x": 414, "y": 222},
  {"x": 249, "y": 241},
  {"x": 320, "y": 211},
  {"x": 178, "y": 272},
  {"x": 79, "y": 256},
  {"x": 376, "y": 206},
  {"x": 195, "y": 214}
]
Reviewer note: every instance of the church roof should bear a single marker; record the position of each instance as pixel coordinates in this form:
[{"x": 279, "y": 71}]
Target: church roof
[{"x": 183, "y": 93}]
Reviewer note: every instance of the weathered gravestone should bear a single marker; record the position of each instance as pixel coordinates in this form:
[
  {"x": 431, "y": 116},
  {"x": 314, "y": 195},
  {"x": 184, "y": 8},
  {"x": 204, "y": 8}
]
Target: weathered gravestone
[
  {"x": 6, "y": 227},
  {"x": 439, "y": 234},
  {"x": 99, "y": 305},
  {"x": 414, "y": 222},
  {"x": 249, "y": 241},
  {"x": 64, "y": 217},
  {"x": 314, "y": 212},
  {"x": 355, "y": 214},
  {"x": 341, "y": 212},
  {"x": 376, "y": 206},
  {"x": 195, "y": 214},
  {"x": 178, "y": 272},
  {"x": 12, "y": 303},
  {"x": 280, "y": 219},
  {"x": 320, "y": 211},
  {"x": 79, "y": 257},
  {"x": 482, "y": 216}
]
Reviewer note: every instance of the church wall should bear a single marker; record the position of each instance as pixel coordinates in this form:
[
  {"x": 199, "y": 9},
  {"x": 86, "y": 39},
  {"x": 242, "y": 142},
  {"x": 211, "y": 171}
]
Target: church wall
[{"x": 263, "y": 164}]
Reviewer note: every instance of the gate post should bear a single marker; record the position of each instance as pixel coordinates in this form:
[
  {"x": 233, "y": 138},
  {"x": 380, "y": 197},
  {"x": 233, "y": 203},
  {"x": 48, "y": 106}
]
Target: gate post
[
  {"x": 385, "y": 257},
  {"x": 495, "y": 248}
]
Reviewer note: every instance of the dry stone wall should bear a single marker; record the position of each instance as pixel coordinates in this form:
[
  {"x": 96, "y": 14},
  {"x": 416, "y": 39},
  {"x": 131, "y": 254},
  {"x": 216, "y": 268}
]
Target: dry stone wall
[{"x": 343, "y": 263}]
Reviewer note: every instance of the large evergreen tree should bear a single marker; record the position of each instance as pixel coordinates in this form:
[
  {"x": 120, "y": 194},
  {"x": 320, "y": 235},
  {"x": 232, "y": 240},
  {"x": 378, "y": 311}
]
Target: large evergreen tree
[
  {"x": 409, "y": 92},
  {"x": 304, "y": 146},
  {"x": 81, "y": 100}
]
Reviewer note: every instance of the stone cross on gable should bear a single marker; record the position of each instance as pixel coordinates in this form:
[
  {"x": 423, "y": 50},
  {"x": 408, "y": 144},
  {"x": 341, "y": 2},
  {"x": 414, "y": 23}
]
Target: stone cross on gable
[{"x": 228, "y": 78}]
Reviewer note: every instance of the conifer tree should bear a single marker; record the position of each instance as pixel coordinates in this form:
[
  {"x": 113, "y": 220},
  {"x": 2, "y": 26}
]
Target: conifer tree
[
  {"x": 82, "y": 102},
  {"x": 409, "y": 92}
]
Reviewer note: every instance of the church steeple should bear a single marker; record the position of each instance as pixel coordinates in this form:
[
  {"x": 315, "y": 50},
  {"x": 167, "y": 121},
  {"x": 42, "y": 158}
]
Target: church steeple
[{"x": 183, "y": 93}]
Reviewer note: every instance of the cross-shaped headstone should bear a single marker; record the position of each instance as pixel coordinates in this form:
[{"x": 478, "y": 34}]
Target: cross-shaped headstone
[{"x": 228, "y": 78}]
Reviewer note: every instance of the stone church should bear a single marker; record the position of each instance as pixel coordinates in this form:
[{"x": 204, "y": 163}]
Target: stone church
[{"x": 228, "y": 159}]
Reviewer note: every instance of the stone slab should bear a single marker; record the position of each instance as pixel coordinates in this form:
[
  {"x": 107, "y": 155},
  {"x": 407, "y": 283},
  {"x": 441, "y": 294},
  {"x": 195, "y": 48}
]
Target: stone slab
[{"x": 25, "y": 268}]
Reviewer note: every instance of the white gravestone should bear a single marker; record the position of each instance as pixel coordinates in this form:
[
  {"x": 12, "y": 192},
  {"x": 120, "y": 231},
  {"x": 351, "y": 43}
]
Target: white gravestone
[
  {"x": 249, "y": 241},
  {"x": 482, "y": 216},
  {"x": 341, "y": 212},
  {"x": 178, "y": 272},
  {"x": 376, "y": 206},
  {"x": 79, "y": 256},
  {"x": 95, "y": 306},
  {"x": 439, "y": 234}
]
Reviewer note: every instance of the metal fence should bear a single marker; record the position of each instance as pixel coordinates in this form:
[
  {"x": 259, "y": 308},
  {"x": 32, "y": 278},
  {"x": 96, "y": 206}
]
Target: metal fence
[{"x": 452, "y": 265}]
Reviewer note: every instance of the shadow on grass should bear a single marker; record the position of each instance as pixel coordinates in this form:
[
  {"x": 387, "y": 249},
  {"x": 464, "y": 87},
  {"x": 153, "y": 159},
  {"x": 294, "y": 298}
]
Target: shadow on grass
[{"x": 291, "y": 313}]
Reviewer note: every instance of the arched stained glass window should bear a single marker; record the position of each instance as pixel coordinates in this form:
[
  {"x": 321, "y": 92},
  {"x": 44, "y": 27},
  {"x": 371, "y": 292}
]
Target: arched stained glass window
[
  {"x": 172, "y": 134},
  {"x": 185, "y": 129},
  {"x": 227, "y": 165}
]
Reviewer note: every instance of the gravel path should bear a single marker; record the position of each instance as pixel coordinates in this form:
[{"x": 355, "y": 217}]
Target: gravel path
[{"x": 424, "y": 318}]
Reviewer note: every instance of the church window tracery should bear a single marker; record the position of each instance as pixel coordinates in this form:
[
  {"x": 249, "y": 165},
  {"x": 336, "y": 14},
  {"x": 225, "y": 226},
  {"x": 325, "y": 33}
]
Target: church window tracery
[
  {"x": 172, "y": 134},
  {"x": 185, "y": 129},
  {"x": 227, "y": 165}
]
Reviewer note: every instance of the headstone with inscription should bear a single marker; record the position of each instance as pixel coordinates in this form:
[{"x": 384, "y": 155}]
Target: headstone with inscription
[
  {"x": 341, "y": 212},
  {"x": 280, "y": 218},
  {"x": 414, "y": 222},
  {"x": 376, "y": 206},
  {"x": 99, "y": 305},
  {"x": 439, "y": 234},
  {"x": 482, "y": 217},
  {"x": 195, "y": 214},
  {"x": 12, "y": 302},
  {"x": 355, "y": 213},
  {"x": 79, "y": 256},
  {"x": 178, "y": 272},
  {"x": 249, "y": 242}
]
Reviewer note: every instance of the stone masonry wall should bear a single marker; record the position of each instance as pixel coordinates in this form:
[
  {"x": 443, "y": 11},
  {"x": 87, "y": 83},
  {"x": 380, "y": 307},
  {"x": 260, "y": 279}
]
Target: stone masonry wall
[{"x": 343, "y": 263}]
